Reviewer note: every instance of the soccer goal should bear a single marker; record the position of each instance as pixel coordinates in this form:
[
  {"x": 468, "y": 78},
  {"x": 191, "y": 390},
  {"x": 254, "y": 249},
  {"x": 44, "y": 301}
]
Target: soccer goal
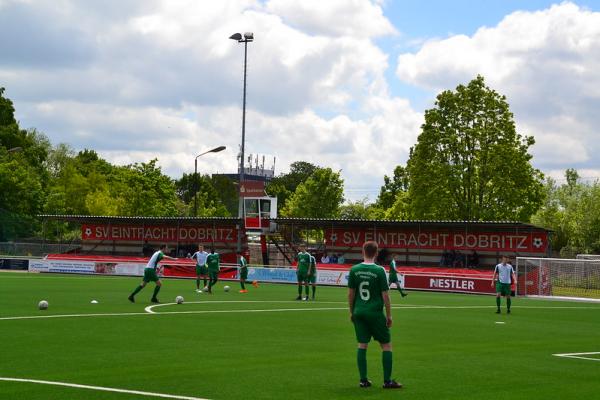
[{"x": 554, "y": 277}]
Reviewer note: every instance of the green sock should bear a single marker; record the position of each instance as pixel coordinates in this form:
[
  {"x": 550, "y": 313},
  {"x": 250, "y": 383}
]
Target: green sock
[
  {"x": 498, "y": 302},
  {"x": 198, "y": 283},
  {"x": 204, "y": 282},
  {"x": 243, "y": 286},
  {"x": 361, "y": 359},
  {"x": 314, "y": 289},
  {"x": 306, "y": 290},
  {"x": 156, "y": 290},
  {"x": 137, "y": 290},
  {"x": 299, "y": 290},
  {"x": 386, "y": 360},
  {"x": 508, "y": 302}
]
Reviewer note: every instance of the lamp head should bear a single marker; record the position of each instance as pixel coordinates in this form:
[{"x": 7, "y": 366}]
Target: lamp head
[{"x": 236, "y": 36}]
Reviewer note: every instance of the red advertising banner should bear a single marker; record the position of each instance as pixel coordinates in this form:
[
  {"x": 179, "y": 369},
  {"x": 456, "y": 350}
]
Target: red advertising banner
[
  {"x": 534, "y": 242},
  {"x": 168, "y": 234},
  {"x": 441, "y": 283},
  {"x": 252, "y": 189}
]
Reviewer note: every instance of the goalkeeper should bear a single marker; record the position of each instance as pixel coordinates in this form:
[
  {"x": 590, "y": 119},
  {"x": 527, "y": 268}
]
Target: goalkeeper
[{"x": 504, "y": 276}]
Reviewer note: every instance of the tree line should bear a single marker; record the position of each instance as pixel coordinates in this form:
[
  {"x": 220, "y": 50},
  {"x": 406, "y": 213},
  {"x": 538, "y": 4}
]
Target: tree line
[{"x": 469, "y": 163}]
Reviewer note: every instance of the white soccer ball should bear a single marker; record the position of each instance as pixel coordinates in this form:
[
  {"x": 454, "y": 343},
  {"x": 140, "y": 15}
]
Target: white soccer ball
[
  {"x": 43, "y": 305},
  {"x": 205, "y": 289},
  {"x": 227, "y": 288},
  {"x": 94, "y": 301},
  {"x": 179, "y": 299}
]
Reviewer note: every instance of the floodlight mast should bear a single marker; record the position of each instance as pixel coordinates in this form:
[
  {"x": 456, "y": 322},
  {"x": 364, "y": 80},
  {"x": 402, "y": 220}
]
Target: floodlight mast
[{"x": 248, "y": 37}]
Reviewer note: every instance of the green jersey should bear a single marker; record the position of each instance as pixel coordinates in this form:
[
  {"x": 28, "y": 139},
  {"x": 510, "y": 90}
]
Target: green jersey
[
  {"x": 155, "y": 259},
  {"x": 212, "y": 261},
  {"x": 313, "y": 265},
  {"x": 243, "y": 265},
  {"x": 393, "y": 272},
  {"x": 303, "y": 262},
  {"x": 369, "y": 281}
]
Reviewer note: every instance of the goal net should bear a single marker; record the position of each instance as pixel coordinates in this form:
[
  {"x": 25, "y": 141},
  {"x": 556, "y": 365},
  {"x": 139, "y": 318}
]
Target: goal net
[{"x": 558, "y": 277}]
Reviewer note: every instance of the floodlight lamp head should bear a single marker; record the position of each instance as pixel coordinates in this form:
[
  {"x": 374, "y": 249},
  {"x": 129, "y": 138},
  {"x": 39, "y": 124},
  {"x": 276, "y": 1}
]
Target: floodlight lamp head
[
  {"x": 236, "y": 36},
  {"x": 249, "y": 36}
]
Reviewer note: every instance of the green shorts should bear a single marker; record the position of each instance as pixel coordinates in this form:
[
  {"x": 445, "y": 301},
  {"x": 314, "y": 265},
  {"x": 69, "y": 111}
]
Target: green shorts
[
  {"x": 201, "y": 270},
  {"x": 312, "y": 278},
  {"x": 371, "y": 326},
  {"x": 213, "y": 275},
  {"x": 503, "y": 288},
  {"x": 302, "y": 276},
  {"x": 393, "y": 279},
  {"x": 150, "y": 275},
  {"x": 244, "y": 273}
]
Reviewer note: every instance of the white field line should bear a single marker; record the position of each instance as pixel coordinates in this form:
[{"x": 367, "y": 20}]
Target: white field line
[
  {"x": 414, "y": 307},
  {"x": 151, "y": 307},
  {"x": 578, "y": 355},
  {"x": 565, "y": 298},
  {"x": 101, "y": 388}
]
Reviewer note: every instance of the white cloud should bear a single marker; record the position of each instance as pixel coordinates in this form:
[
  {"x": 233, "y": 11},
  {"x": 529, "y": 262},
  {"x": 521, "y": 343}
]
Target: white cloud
[
  {"x": 546, "y": 62},
  {"x": 356, "y": 18},
  {"x": 160, "y": 79}
]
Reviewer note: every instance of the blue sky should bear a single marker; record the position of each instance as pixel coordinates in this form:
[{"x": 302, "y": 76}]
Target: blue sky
[
  {"x": 340, "y": 83},
  {"x": 423, "y": 20}
]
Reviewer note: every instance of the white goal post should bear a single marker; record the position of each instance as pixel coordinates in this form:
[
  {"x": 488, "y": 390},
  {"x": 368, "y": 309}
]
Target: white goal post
[{"x": 558, "y": 277}]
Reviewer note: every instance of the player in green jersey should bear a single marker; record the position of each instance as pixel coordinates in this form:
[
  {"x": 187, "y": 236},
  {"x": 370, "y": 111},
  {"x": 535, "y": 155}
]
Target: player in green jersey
[
  {"x": 151, "y": 275},
  {"x": 244, "y": 274},
  {"x": 213, "y": 261},
  {"x": 303, "y": 259},
  {"x": 393, "y": 276},
  {"x": 367, "y": 297},
  {"x": 312, "y": 276}
]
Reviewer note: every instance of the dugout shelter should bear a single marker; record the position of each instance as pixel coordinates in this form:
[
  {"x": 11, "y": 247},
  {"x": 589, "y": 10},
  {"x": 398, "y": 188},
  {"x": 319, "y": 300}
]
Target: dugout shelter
[{"x": 415, "y": 243}]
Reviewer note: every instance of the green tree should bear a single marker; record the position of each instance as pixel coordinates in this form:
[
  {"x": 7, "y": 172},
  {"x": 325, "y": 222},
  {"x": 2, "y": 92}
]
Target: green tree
[
  {"x": 361, "y": 209},
  {"x": 284, "y": 185},
  {"x": 148, "y": 191},
  {"x": 392, "y": 187},
  {"x": 572, "y": 212},
  {"x": 208, "y": 200},
  {"x": 470, "y": 163},
  {"x": 320, "y": 196},
  {"x": 228, "y": 194},
  {"x": 23, "y": 154}
]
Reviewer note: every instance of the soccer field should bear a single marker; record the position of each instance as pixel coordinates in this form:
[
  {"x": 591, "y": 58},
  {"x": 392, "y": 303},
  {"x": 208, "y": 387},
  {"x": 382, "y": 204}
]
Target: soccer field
[{"x": 265, "y": 345}]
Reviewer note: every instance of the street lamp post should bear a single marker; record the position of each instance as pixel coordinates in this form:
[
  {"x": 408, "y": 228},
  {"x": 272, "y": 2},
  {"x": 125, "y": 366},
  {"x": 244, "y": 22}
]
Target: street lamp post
[
  {"x": 196, "y": 180},
  {"x": 246, "y": 38}
]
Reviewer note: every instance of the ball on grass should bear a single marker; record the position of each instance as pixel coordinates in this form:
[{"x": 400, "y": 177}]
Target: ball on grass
[
  {"x": 227, "y": 288},
  {"x": 43, "y": 305},
  {"x": 179, "y": 299},
  {"x": 94, "y": 301}
]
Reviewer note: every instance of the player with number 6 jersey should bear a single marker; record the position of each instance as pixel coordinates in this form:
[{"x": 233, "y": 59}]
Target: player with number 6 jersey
[{"x": 367, "y": 297}]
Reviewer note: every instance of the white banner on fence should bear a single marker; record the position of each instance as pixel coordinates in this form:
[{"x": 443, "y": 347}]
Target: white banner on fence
[
  {"x": 86, "y": 267},
  {"x": 72, "y": 267},
  {"x": 329, "y": 277},
  {"x": 36, "y": 265}
]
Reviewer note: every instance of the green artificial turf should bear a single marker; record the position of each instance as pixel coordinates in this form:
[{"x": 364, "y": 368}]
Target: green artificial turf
[{"x": 446, "y": 346}]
